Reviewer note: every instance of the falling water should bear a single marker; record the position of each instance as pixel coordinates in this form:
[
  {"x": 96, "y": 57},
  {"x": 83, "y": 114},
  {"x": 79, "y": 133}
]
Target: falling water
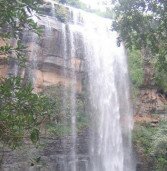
[
  {"x": 73, "y": 102},
  {"x": 33, "y": 58},
  {"x": 109, "y": 94}
]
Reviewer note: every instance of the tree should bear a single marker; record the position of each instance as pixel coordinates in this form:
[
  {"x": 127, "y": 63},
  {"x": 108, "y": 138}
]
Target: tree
[
  {"x": 142, "y": 25},
  {"x": 21, "y": 111}
]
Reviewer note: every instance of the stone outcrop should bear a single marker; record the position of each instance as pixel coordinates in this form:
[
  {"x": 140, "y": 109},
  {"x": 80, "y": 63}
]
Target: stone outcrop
[{"x": 150, "y": 101}]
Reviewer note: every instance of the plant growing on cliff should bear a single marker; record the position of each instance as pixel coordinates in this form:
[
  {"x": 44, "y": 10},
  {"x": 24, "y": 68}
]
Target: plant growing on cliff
[
  {"x": 60, "y": 101},
  {"x": 136, "y": 72},
  {"x": 159, "y": 147},
  {"x": 56, "y": 10},
  {"x": 152, "y": 142}
]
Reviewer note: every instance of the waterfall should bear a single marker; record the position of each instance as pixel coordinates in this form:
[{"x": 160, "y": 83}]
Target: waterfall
[{"x": 110, "y": 145}]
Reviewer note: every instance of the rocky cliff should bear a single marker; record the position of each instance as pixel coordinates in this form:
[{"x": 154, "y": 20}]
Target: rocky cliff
[{"x": 50, "y": 57}]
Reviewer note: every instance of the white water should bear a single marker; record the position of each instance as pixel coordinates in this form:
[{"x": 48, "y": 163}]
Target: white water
[
  {"x": 110, "y": 146},
  {"x": 73, "y": 101}
]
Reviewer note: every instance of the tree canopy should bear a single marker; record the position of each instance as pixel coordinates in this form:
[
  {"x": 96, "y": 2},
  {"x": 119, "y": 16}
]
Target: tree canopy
[
  {"x": 143, "y": 24},
  {"x": 21, "y": 110}
]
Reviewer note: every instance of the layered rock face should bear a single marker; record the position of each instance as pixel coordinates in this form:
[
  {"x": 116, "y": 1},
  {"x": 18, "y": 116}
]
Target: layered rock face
[
  {"x": 51, "y": 56},
  {"x": 51, "y": 60}
]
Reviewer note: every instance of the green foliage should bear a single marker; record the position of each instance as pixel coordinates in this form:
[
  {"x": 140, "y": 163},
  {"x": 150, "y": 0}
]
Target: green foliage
[
  {"x": 61, "y": 13},
  {"x": 19, "y": 52},
  {"x": 15, "y": 17},
  {"x": 136, "y": 72},
  {"x": 142, "y": 24},
  {"x": 60, "y": 102},
  {"x": 58, "y": 11},
  {"x": 135, "y": 66},
  {"x": 152, "y": 141},
  {"x": 160, "y": 73},
  {"x": 21, "y": 112},
  {"x": 34, "y": 135},
  {"x": 143, "y": 136},
  {"x": 59, "y": 129},
  {"x": 59, "y": 111},
  {"x": 159, "y": 146}
]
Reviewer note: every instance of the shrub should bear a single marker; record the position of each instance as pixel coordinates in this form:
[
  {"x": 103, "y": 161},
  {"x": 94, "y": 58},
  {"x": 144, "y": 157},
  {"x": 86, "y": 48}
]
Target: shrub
[
  {"x": 152, "y": 142},
  {"x": 21, "y": 112}
]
